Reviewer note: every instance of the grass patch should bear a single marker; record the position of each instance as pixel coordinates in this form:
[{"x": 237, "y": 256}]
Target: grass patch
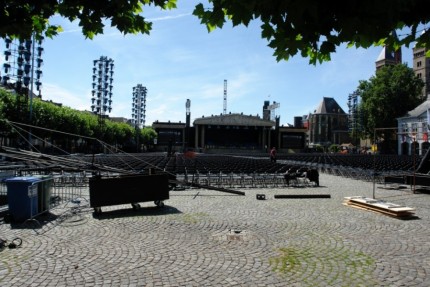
[
  {"x": 194, "y": 217},
  {"x": 331, "y": 267}
]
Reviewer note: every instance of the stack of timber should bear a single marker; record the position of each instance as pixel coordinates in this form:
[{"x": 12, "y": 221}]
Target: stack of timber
[{"x": 381, "y": 206}]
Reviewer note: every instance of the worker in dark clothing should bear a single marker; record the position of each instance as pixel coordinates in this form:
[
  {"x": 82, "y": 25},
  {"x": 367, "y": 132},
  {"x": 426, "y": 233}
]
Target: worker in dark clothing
[
  {"x": 289, "y": 175},
  {"x": 313, "y": 175}
]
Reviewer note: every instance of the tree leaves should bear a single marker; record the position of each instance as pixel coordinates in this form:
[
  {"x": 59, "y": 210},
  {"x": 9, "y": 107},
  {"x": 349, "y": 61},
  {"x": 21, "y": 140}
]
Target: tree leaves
[
  {"x": 22, "y": 21},
  {"x": 356, "y": 23},
  {"x": 313, "y": 27},
  {"x": 390, "y": 94}
]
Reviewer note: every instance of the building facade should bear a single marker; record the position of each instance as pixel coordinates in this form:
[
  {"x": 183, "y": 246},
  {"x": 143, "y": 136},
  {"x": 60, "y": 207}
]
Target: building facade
[
  {"x": 233, "y": 131},
  {"x": 171, "y": 136},
  {"x": 328, "y": 124},
  {"x": 413, "y": 131}
]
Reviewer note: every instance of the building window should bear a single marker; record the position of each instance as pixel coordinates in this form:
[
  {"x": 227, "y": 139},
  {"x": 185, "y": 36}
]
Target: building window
[
  {"x": 405, "y": 128},
  {"x": 419, "y": 64}
]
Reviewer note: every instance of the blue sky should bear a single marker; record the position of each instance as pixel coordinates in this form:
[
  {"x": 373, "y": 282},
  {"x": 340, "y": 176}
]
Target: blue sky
[{"x": 180, "y": 60}]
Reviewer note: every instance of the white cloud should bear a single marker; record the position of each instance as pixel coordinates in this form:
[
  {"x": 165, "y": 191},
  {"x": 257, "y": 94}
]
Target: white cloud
[
  {"x": 164, "y": 18},
  {"x": 67, "y": 98}
]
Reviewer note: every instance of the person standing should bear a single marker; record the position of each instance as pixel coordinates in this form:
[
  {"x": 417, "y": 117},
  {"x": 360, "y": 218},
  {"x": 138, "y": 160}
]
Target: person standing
[{"x": 273, "y": 155}]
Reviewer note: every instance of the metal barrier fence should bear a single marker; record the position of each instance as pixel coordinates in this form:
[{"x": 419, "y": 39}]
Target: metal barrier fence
[
  {"x": 69, "y": 187},
  {"x": 64, "y": 188}
]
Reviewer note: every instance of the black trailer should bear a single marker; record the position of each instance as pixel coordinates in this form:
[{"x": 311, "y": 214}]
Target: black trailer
[{"x": 124, "y": 189}]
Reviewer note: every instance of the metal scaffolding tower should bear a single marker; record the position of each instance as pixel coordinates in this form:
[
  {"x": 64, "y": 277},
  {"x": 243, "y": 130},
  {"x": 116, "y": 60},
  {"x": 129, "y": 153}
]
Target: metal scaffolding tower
[
  {"x": 354, "y": 116},
  {"x": 138, "y": 110},
  {"x": 101, "y": 100},
  {"x": 273, "y": 110}
]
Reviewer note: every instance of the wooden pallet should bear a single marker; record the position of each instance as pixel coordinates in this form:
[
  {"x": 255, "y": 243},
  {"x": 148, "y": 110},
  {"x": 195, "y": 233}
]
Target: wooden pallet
[
  {"x": 381, "y": 206},
  {"x": 393, "y": 186}
]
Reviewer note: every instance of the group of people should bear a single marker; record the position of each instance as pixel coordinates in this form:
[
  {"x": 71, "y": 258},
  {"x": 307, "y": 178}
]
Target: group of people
[
  {"x": 293, "y": 174},
  {"x": 309, "y": 173}
]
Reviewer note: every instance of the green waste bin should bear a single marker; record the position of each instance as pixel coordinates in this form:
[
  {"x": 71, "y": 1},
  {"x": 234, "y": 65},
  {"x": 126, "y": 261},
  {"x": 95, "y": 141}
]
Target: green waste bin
[
  {"x": 44, "y": 192},
  {"x": 22, "y": 197}
]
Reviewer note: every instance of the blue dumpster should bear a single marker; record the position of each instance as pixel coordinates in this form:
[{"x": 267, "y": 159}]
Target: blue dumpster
[
  {"x": 44, "y": 192},
  {"x": 22, "y": 197}
]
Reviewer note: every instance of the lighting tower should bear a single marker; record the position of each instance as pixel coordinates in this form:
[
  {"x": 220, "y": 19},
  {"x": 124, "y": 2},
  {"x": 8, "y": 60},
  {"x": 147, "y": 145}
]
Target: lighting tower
[
  {"x": 188, "y": 113},
  {"x": 187, "y": 123},
  {"x": 138, "y": 109},
  {"x": 225, "y": 97},
  {"x": 22, "y": 66},
  {"x": 102, "y": 86}
]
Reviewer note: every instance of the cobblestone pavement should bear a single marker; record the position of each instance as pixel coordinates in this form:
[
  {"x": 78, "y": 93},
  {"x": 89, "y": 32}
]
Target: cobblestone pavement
[{"x": 210, "y": 238}]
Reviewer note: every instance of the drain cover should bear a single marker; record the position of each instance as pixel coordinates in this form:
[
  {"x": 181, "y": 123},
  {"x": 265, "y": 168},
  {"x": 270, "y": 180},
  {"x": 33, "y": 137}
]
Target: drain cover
[{"x": 235, "y": 235}]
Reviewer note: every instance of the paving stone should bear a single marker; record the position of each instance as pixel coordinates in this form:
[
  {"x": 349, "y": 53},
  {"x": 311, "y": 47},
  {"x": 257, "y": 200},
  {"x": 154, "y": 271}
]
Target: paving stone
[{"x": 209, "y": 238}]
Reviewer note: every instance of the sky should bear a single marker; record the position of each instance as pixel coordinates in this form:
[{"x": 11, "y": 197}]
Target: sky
[{"x": 180, "y": 60}]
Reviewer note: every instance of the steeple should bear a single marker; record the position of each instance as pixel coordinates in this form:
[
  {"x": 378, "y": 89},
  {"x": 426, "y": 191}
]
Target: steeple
[{"x": 388, "y": 56}]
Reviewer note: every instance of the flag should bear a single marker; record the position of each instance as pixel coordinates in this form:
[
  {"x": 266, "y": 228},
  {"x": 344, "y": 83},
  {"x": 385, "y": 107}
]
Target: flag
[{"x": 425, "y": 137}]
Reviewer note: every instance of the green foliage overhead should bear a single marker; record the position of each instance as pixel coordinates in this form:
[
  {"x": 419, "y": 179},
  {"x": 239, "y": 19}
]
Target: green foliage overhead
[
  {"x": 315, "y": 28},
  {"x": 20, "y": 18},
  {"x": 310, "y": 28},
  {"x": 390, "y": 94}
]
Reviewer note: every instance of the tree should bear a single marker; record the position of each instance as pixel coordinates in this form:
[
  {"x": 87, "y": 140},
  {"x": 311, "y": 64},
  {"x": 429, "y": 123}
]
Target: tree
[
  {"x": 148, "y": 134},
  {"x": 64, "y": 127},
  {"x": 334, "y": 148},
  {"x": 3, "y": 124},
  {"x": 314, "y": 28},
  {"x": 390, "y": 94}
]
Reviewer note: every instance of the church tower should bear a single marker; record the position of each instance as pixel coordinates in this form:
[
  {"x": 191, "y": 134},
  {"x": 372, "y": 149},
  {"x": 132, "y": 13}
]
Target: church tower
[
  {"x": 422, "y": 68},
  {"x": 388, "y": 56}
]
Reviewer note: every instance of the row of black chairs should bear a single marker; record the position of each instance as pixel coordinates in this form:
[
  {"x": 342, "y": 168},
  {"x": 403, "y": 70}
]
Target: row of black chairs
[{"x": 233, "y": 170}]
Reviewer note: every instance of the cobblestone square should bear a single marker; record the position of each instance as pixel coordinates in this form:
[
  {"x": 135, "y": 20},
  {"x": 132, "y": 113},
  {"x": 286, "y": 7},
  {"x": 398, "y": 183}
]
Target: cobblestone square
[{"x": 211, "y": 238}]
